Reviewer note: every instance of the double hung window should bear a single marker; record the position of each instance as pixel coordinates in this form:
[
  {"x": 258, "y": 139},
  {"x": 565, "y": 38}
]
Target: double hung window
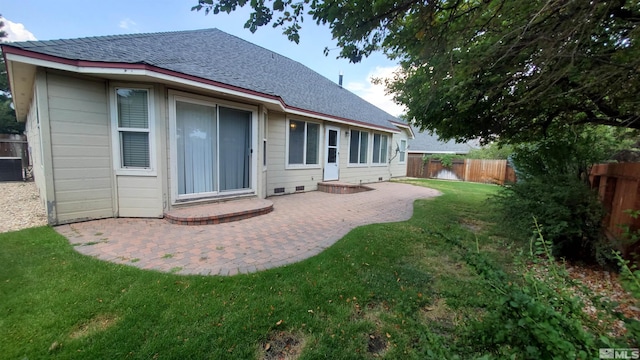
[
  {"x": 380, "y": 148},
  {"x": 403, "y": 151},
  {"x": 358, "y": 146},
  {"x": 133, "y": 128},
  {"x": 304, "y": 143}
]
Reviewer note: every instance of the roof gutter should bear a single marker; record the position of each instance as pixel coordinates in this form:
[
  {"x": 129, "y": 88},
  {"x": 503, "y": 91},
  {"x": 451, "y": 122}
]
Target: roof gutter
[
  {"x": 13, "y": 54},
  {"x": 8, "y": 67}
]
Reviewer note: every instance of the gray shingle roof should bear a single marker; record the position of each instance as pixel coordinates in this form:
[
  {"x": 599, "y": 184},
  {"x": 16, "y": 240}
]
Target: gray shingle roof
[
  {"x": 424, "y": 142},
  {"x": 217, "y": 56}
]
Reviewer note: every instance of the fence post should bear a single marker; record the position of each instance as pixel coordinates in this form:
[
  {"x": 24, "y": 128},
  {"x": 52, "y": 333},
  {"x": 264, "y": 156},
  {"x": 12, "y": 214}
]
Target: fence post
[{"x": 466, "y": 169}]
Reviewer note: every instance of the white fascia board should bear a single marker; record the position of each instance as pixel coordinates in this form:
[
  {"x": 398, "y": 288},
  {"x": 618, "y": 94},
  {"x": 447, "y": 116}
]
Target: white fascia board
[
  {"x": 334, "y": 120},
  {"x": 91, "y": 70},
  {"x": 406, "y": 126},
  {"x": 221, "y": 89},
  {"x": 72, "y": 68},
  {"x": 433, "y": 152}
]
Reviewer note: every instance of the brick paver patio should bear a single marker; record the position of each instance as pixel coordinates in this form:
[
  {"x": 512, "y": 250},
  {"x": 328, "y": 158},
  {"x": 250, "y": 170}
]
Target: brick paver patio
[{"x": 300, "y": 226}]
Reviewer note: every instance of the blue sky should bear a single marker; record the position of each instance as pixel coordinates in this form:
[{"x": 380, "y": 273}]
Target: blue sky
[{"x": 61, "y": 19}]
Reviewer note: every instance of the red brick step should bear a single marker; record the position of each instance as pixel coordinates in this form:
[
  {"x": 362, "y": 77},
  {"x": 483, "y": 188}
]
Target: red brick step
[{"x": 218, "y": 213}]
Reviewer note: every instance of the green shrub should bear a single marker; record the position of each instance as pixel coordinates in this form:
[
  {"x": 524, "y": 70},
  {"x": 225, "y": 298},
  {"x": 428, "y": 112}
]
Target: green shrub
[
  {"x": 569, "y": 213},
  {"x": 541, "y": 316},
  {"x": 568, "y": 150},
  {"x": 493, "y": 151},
  {"x": 532, "y": 324},
  {"x": 445, "y": 159}
]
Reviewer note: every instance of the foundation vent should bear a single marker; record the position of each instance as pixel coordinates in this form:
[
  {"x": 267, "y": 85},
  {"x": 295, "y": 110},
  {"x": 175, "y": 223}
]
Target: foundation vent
[
  {"x": 279, "y": 190},
  {"x": 299, "y": 188}
]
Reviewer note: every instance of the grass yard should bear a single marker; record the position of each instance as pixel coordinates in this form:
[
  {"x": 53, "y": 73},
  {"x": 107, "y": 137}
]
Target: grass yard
[{"x": 402, "y": 290}]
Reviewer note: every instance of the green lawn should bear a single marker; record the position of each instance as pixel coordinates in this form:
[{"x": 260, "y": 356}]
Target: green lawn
[{"x": 401, "y": 290}]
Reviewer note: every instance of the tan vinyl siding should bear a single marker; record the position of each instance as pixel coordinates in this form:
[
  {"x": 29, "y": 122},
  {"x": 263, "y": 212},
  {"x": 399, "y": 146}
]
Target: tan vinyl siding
[
  {"x": 397, "y": 169},
  {"x": 80, "y": 146},
  {"x": 32, "y": 130},
  {"x": 277, "y": 174},
  {"x": 138, "y": 196},
  {"x": 363, "y": 173},
  {"x": 143, "y": 196},
  {"x": 261, "y": 172},
  {"x": 309, "y": 178},
  {"x": 276, "y": 145}
]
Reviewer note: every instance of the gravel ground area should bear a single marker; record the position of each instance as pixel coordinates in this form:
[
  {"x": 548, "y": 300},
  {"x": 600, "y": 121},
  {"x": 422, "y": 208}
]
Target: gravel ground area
[{"x": 20, "y": 206}]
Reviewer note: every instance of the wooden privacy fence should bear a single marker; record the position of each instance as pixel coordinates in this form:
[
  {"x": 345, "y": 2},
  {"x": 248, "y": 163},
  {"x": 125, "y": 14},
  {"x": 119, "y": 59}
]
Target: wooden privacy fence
[
  {"x": 618, "y": 187},
  {"x": 473, "y": 170}
]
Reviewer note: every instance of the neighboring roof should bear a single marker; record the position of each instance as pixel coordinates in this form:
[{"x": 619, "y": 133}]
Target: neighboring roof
[
  {"x": 431, "y": 144},
  {"x": 213, "y": 55}
]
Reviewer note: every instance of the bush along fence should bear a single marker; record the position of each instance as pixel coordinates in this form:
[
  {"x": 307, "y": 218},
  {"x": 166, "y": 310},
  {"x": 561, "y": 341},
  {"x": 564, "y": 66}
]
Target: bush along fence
[
  {"x": 472, "y": 170},
  {"x": 618, "y": 187}
]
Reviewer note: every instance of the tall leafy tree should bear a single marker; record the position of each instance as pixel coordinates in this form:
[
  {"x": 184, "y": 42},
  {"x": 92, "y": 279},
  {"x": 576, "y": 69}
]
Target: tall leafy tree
[
  {"x": 508, "y": 69},
  {"x": 8, "y": 122}
]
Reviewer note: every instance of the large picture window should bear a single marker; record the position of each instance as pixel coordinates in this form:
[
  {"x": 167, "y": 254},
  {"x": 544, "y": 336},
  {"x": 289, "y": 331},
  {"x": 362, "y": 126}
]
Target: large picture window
[
  {"x": 379, "y": 148},
  {"x": 133, "y": 127},
  {"x": 304, "y": 143},
  {"x": 358, "y": 146}
]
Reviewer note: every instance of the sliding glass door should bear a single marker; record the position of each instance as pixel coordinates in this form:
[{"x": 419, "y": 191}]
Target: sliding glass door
[
  {"x": 213, "y": 149},
  {"x": 235, "y": 149},
  {"x": 196, "y": 137}
]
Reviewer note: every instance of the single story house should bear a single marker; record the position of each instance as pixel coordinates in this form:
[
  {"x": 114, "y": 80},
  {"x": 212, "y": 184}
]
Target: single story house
[
  {"x": 136, "y": 125},
  {"x": 424, "y": 143}
]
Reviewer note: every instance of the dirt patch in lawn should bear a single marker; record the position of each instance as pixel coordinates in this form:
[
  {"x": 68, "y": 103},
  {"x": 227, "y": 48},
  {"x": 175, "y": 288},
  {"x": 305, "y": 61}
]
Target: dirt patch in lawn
[
  {"x": 282, "y": 345},
  {"x": 377, "y": 345},
  {"x": 96, "y": 324},
  {"x": 447, "y": 266},
  {"x": 439, "y": 317},
  {"x": 473, "y": 225}
]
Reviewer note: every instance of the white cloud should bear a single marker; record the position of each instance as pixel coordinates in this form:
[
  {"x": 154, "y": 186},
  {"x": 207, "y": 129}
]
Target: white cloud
[
  {"x": 375, "y": 93},
  {"x": 127, "y": 24},
  {"x": 16, "y": 31}
]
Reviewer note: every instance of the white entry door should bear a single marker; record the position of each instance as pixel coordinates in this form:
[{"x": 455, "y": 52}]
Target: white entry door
[{"x": 331, "y": 155}]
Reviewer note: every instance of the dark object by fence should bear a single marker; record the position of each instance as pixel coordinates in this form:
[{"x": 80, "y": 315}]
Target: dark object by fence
[
  {"x": 473, "y": 170},
  {"x": 11, "y": 169},
  {"x": 14, "y": 157}
]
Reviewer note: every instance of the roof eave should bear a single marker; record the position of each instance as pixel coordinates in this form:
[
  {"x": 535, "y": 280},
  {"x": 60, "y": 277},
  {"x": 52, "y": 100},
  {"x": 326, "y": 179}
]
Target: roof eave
[
  {"x": 21, "y": 87},
  {"x": 97, "y": 68},
  {"x": 404, "y": 126}
]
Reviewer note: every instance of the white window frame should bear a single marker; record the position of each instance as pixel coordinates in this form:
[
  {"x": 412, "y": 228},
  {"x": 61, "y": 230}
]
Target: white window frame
[
  {"x": 382, "y": 150},
  {"x": 304, "y": 165},
  {"x": 116, "y": 130},
  {"x": 402, "y": 152},
  {"x": 369, "y": 149},
  {"x": 175, "y": 95},
  {"x": 265, "y": 143}
]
